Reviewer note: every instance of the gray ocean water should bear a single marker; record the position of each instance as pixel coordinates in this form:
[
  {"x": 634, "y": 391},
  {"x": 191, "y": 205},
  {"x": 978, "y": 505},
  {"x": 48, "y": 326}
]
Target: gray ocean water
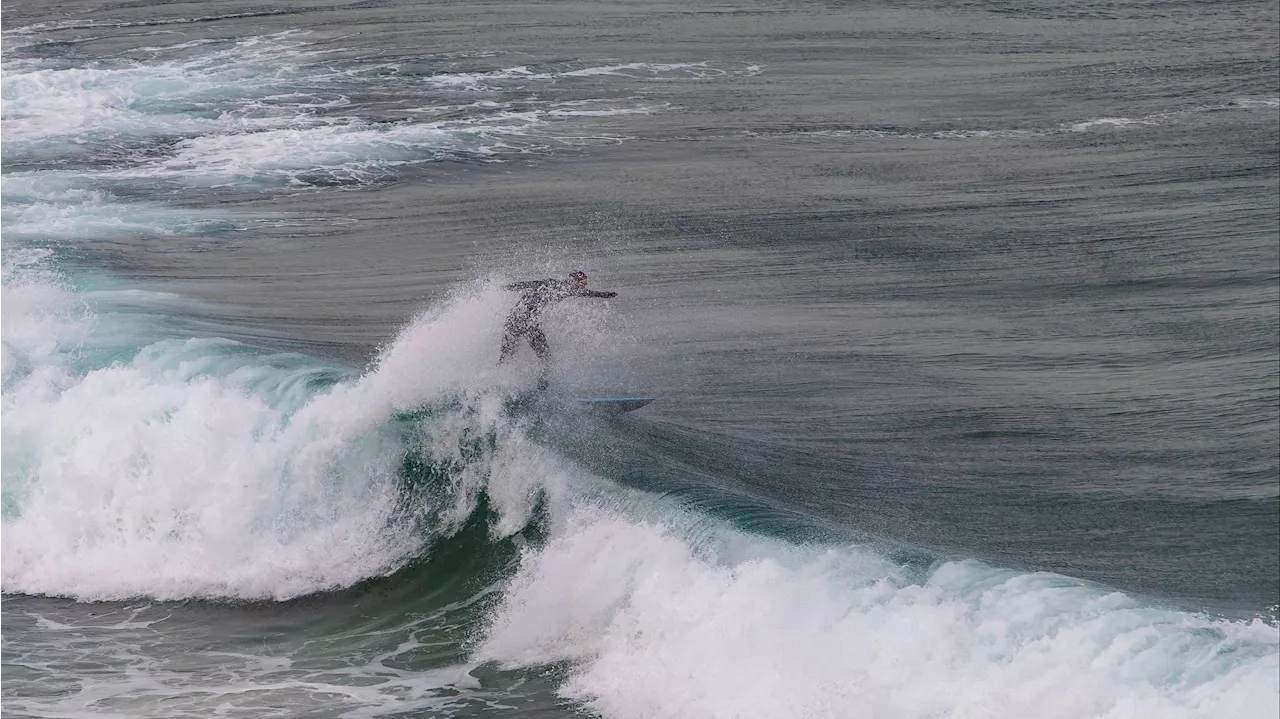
[{"x": 963, "y": 321}]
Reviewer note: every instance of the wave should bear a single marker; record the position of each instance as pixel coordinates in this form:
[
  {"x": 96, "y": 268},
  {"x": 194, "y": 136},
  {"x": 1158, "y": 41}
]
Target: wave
[
  {"x": 204, "y": 468},
  {"x": 674, "y": 618},
  {"x": 201, "y": 468}
]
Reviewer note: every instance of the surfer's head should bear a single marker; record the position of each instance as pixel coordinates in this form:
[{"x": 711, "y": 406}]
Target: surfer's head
[{"x": 578, "y": 278}]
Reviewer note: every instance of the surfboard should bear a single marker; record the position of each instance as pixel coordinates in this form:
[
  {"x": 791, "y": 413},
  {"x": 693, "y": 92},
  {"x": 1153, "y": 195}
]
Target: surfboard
[{"x": 616, "y": 405}]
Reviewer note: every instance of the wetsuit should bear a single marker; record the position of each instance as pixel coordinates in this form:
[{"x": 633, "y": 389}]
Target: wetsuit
[{"x": 523, "y": 320}]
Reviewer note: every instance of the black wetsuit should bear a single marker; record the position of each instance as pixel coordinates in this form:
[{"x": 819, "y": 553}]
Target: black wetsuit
[{"x": 523, "y": 320}]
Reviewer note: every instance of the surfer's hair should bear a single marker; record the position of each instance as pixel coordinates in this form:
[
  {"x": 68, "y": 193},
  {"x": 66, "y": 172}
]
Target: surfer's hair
[{"x": 578, "y": 275}]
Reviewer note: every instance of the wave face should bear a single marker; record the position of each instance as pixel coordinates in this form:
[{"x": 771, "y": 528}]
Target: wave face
[{"x": 961, "y": 322}]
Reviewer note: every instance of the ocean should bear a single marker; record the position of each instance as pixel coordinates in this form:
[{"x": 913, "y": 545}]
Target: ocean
[{"x": 962, "y": 321}]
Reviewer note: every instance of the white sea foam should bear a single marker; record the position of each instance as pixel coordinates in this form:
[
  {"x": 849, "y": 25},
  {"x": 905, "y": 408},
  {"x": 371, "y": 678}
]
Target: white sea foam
[
  {"x": 42, "y": 318},
  {"x": 344, "y": 152},
  {"x": 522, "y": 75},
  {"x": 652, "y": 70},
  {"x": 1115, "y": 123},
  {"x": 357, "y": 151},
  {"x": 663, "y": 621},
  {"x": 485, "y": 81},
  {"x": 229, "y": 89},
  {"x": 98, "y": 215},
  {"x": 159, "y": 478},
  {"x": 1256, "y": 103},
  {"x": 583, "y": 108}
]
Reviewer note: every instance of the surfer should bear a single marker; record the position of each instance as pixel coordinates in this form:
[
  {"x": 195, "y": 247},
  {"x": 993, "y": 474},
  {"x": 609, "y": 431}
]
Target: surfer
[{"x": 536, "y": 295}]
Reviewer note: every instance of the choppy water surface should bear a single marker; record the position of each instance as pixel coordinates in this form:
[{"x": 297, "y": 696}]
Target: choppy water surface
[{"x": 964, "y": 322}]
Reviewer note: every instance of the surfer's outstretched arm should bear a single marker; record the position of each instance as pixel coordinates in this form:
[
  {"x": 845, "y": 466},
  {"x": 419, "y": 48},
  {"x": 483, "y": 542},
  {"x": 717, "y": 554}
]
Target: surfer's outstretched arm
[
  {"x": 593, "y": 293},
  {"x": 527, "y": 284}
]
